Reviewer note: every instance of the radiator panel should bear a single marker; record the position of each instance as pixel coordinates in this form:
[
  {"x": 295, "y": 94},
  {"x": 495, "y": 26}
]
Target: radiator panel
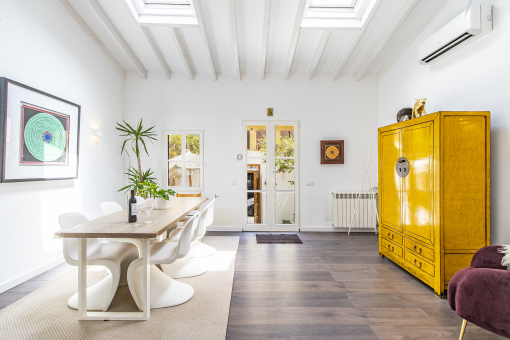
[{"x": 344, "y": 204}]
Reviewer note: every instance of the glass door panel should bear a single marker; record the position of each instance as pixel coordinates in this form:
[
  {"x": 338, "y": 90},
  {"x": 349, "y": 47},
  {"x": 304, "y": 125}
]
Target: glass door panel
[
  {"x": 285, "y": 208},
  {"x": 285, "y": 184},
  {"x": 271, "y": 176},
  {"x": 256, "y": 175},
  {"x": 256, "y": 208}
]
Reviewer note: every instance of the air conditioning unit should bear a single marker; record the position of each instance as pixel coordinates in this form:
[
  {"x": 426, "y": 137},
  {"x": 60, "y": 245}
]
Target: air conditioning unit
[{"x": 457, "y": 33}]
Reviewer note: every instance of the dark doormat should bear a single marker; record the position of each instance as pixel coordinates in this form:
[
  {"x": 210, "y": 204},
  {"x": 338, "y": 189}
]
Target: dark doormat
[{"x": 278, "y": 238}]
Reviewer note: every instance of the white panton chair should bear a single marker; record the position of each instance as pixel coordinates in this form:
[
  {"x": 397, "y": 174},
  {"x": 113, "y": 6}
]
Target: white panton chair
[
  {"x": 116, "y": 257},
  {"x": 164, "y": 290},
  {"x": 198, "y": 248},
  {"x": 109, "y": 208},
  {"x": 187, "y": 266},
  {"x": 140, "y": 200}
]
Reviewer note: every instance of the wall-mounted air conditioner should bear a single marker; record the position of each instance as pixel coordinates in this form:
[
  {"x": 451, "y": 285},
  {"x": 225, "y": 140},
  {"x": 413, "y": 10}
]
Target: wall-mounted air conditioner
[{"x": 458, "y": 32}]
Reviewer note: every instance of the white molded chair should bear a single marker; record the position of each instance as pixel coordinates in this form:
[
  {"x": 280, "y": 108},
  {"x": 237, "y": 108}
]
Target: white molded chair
[
  {"x": 187, "y": 266},
  {"x": 164, "y": 291},
  {"x": 116, "y": 257},
  {"x": 109, "y": 208},
  {"x": 140, "y": 200},
  {"x": 199, "y": 249}
]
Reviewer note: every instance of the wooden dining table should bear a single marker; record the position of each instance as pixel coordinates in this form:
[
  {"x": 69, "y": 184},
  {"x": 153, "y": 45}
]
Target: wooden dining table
[{"x": 116, "y": 227}]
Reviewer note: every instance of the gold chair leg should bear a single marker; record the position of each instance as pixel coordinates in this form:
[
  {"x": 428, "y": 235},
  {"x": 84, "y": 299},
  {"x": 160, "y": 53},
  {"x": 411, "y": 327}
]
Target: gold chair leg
[{"x": 463, "y": 329}]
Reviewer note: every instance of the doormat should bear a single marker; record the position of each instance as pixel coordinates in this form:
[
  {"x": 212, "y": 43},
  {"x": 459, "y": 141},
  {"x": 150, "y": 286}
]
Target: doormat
[{"x": 278, "y": 238}]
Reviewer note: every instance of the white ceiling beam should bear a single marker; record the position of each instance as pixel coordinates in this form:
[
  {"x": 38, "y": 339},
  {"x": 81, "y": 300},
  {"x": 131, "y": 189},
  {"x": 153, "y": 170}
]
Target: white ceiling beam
[
  {"x": 318, "y": 53},
  {"x": 180, "y": 48},
  {"x": 237, "y": 67},
  {"x": 86, "y": 28},
  {"x": 394, "y": 25},
  {"x": 265, "y": 34},
  {"x": 118, "y": 37},
  {"x": 157, "y": 51},
  {"x": 353, "y": 42},
  {"x": 410, "y": 37},
  {"x": 205, "y": 37},
  {"x": 294, "y": 38}
]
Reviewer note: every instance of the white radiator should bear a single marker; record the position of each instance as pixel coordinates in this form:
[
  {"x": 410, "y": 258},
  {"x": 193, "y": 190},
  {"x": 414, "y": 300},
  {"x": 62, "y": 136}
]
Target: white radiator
[{"x": 343, "y": 210}]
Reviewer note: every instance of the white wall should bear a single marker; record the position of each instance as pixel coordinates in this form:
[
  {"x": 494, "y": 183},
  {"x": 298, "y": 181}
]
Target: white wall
[
  {"x": 343, "y": 109},
  {"x": 475, "y": 78},
  {"x": 43, "y": 48}
]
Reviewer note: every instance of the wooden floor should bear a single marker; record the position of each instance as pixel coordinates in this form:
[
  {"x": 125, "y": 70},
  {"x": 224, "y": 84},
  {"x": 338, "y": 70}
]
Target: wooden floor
[{"x": 332, "y": 286}]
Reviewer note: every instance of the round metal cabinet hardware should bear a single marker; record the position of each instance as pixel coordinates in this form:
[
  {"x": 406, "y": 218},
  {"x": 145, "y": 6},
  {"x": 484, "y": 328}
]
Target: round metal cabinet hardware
[
  {"x": 402, "y": 167},
  {"x": 416, "y": 264},
  {"x": 419, "y": 252}
]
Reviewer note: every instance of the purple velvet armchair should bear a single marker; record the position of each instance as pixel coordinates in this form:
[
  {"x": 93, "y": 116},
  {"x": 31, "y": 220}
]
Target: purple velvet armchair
[{"x": 480, "y": 294}]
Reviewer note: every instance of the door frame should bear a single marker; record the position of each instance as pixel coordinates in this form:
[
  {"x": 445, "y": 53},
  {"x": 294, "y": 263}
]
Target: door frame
[{"x": 271, "y": 225}]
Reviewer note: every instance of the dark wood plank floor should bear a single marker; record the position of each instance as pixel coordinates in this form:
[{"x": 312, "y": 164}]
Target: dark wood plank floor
[{"x": 332, "y": 286}]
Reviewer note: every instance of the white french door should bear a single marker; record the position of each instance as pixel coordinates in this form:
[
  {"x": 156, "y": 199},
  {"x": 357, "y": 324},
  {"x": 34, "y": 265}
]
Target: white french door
[{"x": 271, "y": 169}]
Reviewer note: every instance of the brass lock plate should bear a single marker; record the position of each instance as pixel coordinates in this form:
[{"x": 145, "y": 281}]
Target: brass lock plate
[{"x": 402, "y": 167}]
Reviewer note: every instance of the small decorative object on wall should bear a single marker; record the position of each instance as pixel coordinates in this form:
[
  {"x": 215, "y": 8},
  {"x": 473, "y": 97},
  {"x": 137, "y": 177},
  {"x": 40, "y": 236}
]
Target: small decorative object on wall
[
  {"x": 40, "y": 134},
  {"x": 270, "y": 112},
  {"x": 405, "y": 114},
  {"x": 419, "y": 108},
  {"x": 332, "y": 152}
]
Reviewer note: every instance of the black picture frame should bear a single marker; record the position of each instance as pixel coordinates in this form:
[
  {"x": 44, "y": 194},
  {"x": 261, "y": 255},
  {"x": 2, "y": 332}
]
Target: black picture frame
[{"x": 4, "y": 95}]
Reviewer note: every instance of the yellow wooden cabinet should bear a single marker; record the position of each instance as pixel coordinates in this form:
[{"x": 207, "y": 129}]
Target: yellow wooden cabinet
[{"x": 434, "y": 193}]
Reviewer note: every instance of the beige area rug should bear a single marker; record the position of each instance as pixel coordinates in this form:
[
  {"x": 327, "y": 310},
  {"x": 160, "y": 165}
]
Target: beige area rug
[{"x": 44, "y": 313}]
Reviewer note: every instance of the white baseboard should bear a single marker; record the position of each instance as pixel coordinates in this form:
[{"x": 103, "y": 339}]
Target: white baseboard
[
  {"x": 30, "y": 274},
  {"x": 229, "y": 228},
  {"x": 335, "y": 230}
]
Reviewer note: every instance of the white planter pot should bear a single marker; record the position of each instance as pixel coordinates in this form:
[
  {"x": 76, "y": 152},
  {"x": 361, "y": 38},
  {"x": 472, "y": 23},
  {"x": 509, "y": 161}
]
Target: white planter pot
[{"x": 161, "y": 203}]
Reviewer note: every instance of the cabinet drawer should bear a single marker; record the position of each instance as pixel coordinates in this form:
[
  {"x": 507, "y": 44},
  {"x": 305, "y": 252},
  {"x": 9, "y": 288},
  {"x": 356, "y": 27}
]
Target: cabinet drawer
[
  {"x": 392, "y": 236},
  {"x": 388, "y": 246},
  {"x": 419, "y": 250},
  {"x": 419, "y": 263}
]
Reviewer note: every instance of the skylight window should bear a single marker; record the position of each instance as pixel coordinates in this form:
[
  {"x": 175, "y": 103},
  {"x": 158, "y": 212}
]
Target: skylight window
[
  {"x": 333, "y": 3},
  {"x": 336, "y": 14},
  {"x": 171, "y": 13},
  {"x": 168, "y": 2}
]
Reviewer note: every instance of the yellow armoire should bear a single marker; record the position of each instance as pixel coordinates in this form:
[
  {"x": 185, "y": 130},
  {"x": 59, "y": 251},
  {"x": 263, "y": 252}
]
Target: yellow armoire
[{"x": 434, "y": 193}]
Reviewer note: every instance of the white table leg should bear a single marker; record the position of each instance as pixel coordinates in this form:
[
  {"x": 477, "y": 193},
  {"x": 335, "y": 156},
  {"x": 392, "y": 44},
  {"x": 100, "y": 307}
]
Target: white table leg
[
  {"x": 144, "y": 247},
  {"x": 146, "y": 289},
  {"x": 82, "y": 278}
]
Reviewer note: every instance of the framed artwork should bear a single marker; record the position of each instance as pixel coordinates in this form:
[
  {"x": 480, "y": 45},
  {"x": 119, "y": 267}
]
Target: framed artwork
[
  {"x": 40, "y": 134},
  {"x": 332, "y": 152}
]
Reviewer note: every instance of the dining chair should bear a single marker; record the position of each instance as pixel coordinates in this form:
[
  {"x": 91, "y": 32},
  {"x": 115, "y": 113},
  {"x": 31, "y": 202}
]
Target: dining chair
[
  {"x": 187, "y": 266},
  {"x": 116, "y": 257},
  {"x": 198, "y": 248},
  {"x": 109, "y": 208},
  {"x": 140, "y": 200},
  {"x": 164, "y": 290}
]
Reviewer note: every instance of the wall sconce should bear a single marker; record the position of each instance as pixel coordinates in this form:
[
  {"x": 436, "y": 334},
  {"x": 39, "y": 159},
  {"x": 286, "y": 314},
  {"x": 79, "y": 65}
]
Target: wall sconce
[{"x": 95, "y": 136}]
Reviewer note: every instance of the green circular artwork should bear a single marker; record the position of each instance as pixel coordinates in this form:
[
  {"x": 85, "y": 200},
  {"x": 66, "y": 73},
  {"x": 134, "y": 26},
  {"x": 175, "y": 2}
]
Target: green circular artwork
[{"x": 45, "y": 137}]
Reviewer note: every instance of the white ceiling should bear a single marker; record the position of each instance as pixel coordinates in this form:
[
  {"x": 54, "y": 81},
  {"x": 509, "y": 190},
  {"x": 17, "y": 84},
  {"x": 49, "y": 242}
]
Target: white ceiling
[{"x": 390, "y": 30}]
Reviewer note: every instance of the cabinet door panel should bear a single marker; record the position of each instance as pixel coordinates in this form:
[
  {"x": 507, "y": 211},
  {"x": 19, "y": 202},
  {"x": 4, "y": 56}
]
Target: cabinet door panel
[
  {"x": 464, "y": 186},
  {"x": 390, "y": 183},
  {"x": 418, "y": 186}
]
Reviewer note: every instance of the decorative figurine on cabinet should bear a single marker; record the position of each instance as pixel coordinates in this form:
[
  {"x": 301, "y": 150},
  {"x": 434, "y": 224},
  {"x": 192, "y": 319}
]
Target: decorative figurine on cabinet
[
  {"x": 405, "y": 114},
  {"x": 419, "y": 108}
]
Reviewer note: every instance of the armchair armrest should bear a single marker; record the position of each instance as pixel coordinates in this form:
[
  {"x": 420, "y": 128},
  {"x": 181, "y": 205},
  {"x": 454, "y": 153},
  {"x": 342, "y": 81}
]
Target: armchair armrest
[
  {"x": 482, "y": 298},
  {"x": 488, "y": 257}
]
